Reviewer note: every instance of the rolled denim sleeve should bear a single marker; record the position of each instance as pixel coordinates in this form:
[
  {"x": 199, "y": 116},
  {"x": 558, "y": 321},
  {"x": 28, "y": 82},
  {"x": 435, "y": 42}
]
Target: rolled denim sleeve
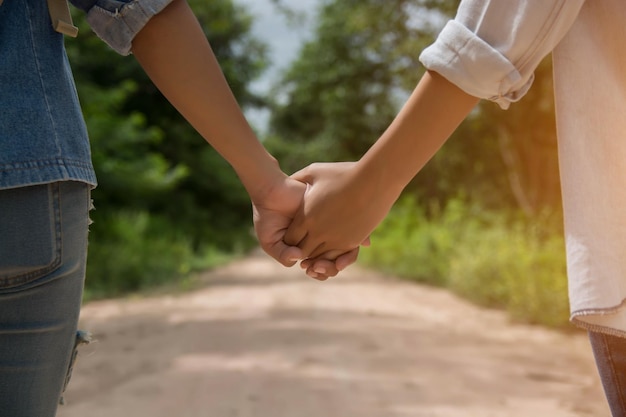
[
  {"x": 117, "y": 22},
  {"x": 492, "y": 47}
]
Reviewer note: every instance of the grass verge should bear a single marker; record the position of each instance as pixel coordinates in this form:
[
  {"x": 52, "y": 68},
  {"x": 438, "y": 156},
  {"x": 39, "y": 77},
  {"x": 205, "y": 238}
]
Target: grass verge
[{"x": 494, "y": 259}]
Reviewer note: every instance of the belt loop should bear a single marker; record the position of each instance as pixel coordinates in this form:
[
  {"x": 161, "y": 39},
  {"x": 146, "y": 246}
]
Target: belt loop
[{"x": 61, "y": 17}]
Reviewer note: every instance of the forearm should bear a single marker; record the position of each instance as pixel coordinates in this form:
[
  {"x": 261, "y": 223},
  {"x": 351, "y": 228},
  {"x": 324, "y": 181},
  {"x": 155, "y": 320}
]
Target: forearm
[
  {"x": 434, "y": 110},
  {"x": 176, "y": 55}
]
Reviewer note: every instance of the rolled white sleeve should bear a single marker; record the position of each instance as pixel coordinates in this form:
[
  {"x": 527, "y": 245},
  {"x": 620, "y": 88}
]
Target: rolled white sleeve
[{"x": 492, "y": 47}]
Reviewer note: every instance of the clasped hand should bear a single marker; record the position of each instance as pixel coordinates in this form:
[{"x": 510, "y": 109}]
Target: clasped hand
[{"x": 320, "y": 216}]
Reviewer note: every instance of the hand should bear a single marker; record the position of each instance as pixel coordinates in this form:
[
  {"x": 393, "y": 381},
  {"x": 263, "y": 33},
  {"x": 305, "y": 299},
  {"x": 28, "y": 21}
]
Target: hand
[
  {"x": 321, "y": 268},
  {"x": 342, "y": 206},
  {"x": 273, "y": 211}
]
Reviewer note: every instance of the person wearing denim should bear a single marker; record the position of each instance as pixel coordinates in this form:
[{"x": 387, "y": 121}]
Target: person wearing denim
[
  {"x": 46, "y": 174},
  {"x": 610, "y": 354},
  {"x": 46, "y": 178},
  {"x": 42, "y": 267}
]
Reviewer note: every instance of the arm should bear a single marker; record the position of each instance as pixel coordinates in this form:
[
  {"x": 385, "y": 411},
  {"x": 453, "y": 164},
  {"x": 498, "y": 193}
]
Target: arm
[
  {"x": 430, "y": 116},
  {"x": 345, "y": 202},
  {"x": 488, "y": 51},
  {"x": 176, "y": 55}
]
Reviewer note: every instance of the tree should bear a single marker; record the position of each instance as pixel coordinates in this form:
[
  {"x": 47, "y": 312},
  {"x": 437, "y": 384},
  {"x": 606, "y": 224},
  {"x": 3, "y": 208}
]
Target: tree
[
  {"x": 146, "y": 155},
  {"x": 502, "y": 158},
  {"x": 343, "y": 90},
  {"x": 526, "y": 137},
  {"x": 348, "y": 84}
]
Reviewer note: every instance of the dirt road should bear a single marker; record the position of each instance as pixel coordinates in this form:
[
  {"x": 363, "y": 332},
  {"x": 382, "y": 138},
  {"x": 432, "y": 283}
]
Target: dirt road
[{"x": 261, "y": 340}]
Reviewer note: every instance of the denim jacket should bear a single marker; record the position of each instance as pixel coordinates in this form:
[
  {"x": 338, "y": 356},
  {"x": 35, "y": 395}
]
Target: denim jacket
[{"x": 43, "y": 137}]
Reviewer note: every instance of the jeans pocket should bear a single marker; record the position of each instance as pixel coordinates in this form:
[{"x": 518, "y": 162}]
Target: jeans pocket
[{"x": 30, "y": 233}]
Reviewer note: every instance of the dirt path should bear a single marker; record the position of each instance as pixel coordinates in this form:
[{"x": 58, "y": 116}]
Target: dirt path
[{"x": 262, "y": 341}]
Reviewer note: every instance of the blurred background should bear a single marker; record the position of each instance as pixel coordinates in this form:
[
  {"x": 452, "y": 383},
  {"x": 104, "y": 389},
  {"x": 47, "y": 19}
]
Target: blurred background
[
  {"x": 190, "y": 319},
  {"x": 320, "y": 80}
]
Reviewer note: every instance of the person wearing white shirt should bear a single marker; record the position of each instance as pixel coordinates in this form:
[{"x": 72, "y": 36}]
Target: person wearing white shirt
[{"x": 489, "y": 51}]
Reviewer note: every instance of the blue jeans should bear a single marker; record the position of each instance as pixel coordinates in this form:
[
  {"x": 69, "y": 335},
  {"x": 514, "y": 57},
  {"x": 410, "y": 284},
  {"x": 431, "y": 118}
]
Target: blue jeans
[
  {"x": 610, "y": 354},
  {"x": 43, "y": 251}
]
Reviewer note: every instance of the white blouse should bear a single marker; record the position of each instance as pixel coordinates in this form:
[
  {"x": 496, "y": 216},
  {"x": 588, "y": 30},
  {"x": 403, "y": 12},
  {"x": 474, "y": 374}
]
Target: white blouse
[{"x": 490, "y": 50}]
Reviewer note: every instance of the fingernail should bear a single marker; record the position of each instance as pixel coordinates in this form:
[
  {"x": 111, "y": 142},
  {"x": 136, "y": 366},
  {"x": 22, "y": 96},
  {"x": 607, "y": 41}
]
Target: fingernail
[
  {"x": 320, "y": 270},
  {"x": 293, "y": 259}
]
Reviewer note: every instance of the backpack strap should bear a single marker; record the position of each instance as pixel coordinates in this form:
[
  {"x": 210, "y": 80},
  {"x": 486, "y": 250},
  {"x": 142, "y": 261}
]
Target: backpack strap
[{"x": 61, "y": 17}]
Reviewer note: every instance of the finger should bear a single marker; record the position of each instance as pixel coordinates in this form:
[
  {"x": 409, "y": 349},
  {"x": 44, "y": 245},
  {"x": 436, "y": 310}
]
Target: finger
[
  {"x": 323, "y": 267},
  {"x": 296, "y": 232},
  {"x": 316, "y": 276},
  {"x": 309, "y": 249},
  {"x": 306, "y": 263},
  {"x": 319, "y": 251},
  {"x": 304, "y": 175},
  {"x": 330, "y": 256},
  {"x": 285, "y": 254},
  {"x": 347, "y": 259}
]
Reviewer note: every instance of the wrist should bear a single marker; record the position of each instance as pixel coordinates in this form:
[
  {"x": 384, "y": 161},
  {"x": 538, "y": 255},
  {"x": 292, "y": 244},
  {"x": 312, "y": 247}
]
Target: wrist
[
  {"x": 380, "y": 177},
  {"x": 261, "y": 176}
]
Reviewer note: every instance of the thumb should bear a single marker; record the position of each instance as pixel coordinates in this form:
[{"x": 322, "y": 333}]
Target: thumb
[
  {"x": 296, "y": 231},
  {"x": 306, "y": 174},
  {"x": 283, "y": 253}
]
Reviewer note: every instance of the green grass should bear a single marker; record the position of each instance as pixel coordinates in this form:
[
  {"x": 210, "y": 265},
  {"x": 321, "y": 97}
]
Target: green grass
[
  {"x": 136, "y": 252},
  {"x": 493, "y": 259}
]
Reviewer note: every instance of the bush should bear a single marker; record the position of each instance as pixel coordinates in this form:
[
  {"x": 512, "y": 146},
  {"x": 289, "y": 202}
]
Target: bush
[
  {"x": 495, "y": 259},
  {"x": 511, "y": 267},
  {"x": 413, "y": 244},
  {"x": 132, "y": 251}
]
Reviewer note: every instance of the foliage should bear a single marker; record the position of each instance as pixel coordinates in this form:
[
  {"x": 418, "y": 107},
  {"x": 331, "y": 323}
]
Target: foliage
[
  {"x": 502, "y": 159},
  {"x": 512, "y": 268},
  {"x": 135, "y": 251},
  {"x": 163, "y": 194},
  {"x": 347, "y": 85},
  {"x": 163, "y": 148},
  {"x": 343, "y": 90},
  {"x": 493, "y": 258},
  {"x": 526, "y": 139}
]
